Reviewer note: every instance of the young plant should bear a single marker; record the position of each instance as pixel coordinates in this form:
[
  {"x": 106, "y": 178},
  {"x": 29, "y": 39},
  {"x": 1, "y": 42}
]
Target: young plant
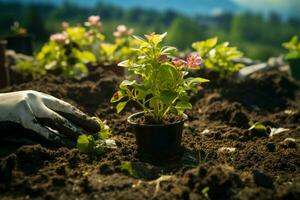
[
  {"x": 218, "y": 57},
  {"x": 161, "y": 85},
  {"x": 95, "y": 144},
  {"x": 294, "y": 48}
]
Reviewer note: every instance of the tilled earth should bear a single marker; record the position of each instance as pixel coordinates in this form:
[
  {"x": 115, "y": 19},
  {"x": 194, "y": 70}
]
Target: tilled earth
[{"x": 220, "y": 157}]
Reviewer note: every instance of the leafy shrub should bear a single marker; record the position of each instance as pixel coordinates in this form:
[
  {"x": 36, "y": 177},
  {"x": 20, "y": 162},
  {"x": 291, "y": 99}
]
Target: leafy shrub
[
  {"x": 294, "y": 48},
  {"x": 77, "y": 46},
  {"x": 218, "y": 57},
  {"x": 121, "y": 48},
  {"x": 160, "y": 86}
]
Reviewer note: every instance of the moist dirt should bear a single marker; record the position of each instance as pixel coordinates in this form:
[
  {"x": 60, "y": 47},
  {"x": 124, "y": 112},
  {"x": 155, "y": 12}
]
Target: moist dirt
[{"x": 220, "y": 157}]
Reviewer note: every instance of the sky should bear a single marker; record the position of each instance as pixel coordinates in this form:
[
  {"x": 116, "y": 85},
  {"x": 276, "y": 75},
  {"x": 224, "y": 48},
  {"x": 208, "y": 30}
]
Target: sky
[{"x": 285, "y": 8}]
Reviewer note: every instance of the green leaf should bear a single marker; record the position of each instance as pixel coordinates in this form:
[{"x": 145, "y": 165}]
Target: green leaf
[
  {"x": 127, "y": 167},
  {"x": 197, "y": 80},
  {"x": 183, "y": 105},
  {"x": 118, "y": 96},
  {"x": 87, "y": 56},
  {"x": 125, "y": 63},
  {"x": 167, "y": 96},
  {"x": 85, "y": 143},
  {"x": 258, "y": 127},
  {"x": 140, "y": 39},
  {"x": 108, "y": 48},
  {"x": 121, "y": 106},
  {"x": 168, "y": 49},
  {"x": 105, "y": 131},
  {"x": 126, "y": 83}
]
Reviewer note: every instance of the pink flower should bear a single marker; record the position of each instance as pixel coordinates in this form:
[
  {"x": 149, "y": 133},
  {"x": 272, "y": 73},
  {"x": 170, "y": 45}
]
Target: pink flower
[
  {"x": 59, "y": 38},
  {"x": 65, "y": 25},
  {"x": 117, "y": 34},
  {"x": 121, "y": 28},
  {"x": 178, "y": 62},
  {"x": 163, "y": 58},
  {"x": 193, "y": 61},
  {"x": 94, "y": 20}
]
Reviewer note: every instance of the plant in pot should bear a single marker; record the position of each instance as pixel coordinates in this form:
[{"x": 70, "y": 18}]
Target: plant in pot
[
  {"x": 160, "y": 86},
  {"x": 293, "y": 56},
  {"x": 20, "y": 41}
]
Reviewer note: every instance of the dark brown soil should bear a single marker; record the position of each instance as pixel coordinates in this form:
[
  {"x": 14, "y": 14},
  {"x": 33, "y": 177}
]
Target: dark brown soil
[{"x": 220, "y": 158}]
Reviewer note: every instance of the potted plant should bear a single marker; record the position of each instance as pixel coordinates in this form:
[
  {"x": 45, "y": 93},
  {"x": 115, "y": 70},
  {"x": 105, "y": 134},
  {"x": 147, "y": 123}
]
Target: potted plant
[
  {"x": 293, "y": 57},
  {"x": 159, "y": 85},
  {"x": 20, "y": 41}
]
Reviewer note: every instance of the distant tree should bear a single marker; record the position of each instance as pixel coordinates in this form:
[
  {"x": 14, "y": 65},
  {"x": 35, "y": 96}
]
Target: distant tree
[
  {"x": 247, "y": 27},
  {"x": 183, "y": 32}
]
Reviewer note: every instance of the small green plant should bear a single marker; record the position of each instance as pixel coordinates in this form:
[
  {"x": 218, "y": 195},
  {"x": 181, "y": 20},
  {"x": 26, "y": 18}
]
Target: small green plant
[
  {"x": 257, "y": 126},
  {"x": 160, "y": 86},
  {"x": 293, "y": 46},
  {"x": 95, "y": 144},
  {"x": 127, "y": 167},
  {"x": 218, "y": 57}
]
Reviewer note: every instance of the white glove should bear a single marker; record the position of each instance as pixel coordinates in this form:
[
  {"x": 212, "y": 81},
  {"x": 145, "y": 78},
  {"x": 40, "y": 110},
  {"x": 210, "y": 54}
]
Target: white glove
[{"x": 57, "y": 121}]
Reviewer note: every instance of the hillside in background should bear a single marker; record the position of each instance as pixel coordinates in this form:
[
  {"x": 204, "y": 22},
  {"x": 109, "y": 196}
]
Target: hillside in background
[{"x": 258, "y": 35}]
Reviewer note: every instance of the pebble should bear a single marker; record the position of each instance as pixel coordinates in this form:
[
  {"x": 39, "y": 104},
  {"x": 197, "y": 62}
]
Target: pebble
[{"x": 226, "y": 149}]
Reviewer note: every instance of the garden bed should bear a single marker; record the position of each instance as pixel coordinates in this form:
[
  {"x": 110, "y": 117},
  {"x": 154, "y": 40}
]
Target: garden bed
[{"x": 220, "y": 157}]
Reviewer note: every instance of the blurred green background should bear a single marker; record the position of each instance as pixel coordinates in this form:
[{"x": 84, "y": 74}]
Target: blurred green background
[{"x": 257, "y": 27}]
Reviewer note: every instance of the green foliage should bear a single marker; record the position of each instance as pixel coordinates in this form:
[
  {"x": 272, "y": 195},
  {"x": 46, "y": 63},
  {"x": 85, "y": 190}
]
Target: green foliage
[
  {"x": 183, "y": 31},
  {"x": 127, "y": 167},
  {"x": 294, "y": 48},
  {"x": 218, "y": 57},
  {"x": 95, "y": 144},
  {"x": 159, "y": 85},
  {"x": 257, "y": 126}
]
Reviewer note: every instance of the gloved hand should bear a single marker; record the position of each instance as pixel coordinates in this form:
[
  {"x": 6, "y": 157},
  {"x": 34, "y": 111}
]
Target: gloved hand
[{"x": 57, "y": 121}]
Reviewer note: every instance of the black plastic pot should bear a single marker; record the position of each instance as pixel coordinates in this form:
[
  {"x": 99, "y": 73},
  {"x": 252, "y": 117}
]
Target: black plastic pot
[
  {"x": 20, "y": 44},
  {"x": 157, "y": 140},
  {"x": 294, "y": 68}
]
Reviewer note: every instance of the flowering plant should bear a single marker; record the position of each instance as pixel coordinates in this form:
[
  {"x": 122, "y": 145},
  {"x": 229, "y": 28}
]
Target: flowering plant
[
  {"x": 72, "y": 49},
  {"x": 121, "y": 48},
  {"x": 161, "y": 86},
  {"x": 218, "y": 57}
]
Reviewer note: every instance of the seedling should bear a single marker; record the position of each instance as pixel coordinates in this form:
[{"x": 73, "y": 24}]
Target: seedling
[
  {"x": 127, "y": 167},
  {"x": 218, "y": 57},
  {"x": 293, "y": 56},
  {"x": 95, "y": 144},
  {"x": 257, "y": 126},
  {"x": 160, "y": 86}
]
